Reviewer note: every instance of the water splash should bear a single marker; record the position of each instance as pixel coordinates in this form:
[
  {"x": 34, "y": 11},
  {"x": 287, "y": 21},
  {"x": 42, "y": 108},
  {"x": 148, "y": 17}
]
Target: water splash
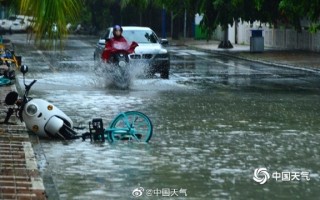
[{"x": 112, "y": 76}]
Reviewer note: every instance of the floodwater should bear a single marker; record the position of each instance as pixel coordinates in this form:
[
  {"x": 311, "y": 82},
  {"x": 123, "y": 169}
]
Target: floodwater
[
  {"x": 215, "y": 121},
  {"x": 206, "y": 141}
]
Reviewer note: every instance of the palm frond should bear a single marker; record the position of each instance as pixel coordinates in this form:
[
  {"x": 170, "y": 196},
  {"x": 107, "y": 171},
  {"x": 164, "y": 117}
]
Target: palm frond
[{"x": 48, "y": 13}]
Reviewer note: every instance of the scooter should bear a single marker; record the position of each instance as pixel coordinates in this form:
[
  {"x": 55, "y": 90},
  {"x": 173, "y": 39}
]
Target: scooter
[
  {"x": 40, "y": 116},
  {"x": 117, "y": 67}
]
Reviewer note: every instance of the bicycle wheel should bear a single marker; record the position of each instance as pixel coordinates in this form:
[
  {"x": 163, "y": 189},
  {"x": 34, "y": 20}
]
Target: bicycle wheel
[
  {"x": 4, "y": 81},
  {"x": 131, "y": 125}
]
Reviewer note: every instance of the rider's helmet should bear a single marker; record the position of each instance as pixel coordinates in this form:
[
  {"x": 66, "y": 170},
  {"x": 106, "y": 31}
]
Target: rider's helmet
[{"x": 117, "y": 28}]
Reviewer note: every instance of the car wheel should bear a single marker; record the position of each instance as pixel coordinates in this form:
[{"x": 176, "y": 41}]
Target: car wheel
[
  {"x": 164, "y": 74},
  {"x": 150, "y": 74}
]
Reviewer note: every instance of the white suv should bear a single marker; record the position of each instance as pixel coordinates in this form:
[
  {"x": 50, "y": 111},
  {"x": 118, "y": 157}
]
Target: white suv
[{"x": 150, "y": 49}]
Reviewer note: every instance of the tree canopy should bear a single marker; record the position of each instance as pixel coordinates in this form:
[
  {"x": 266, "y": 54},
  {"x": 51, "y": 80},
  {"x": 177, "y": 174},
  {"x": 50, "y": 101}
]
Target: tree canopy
[
  {"x": 101, "y": 13},
  {"x": 296, "y": 10},
  {"x": 224, "y": 12}
]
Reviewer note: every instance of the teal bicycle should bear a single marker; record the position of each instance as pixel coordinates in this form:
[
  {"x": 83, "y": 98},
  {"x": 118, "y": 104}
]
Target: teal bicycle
[
  {"x": 4, "y": 81},
  {"x": 130, "y": 126}
]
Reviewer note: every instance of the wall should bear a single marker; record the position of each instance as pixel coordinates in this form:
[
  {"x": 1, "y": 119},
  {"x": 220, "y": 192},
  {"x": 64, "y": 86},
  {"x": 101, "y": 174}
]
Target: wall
[{"x": 276, "y": 38}]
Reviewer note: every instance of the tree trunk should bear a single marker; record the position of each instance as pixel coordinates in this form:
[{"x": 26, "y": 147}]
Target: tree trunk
[
  {"x": 225, "y": 44},
  {"x": 176, "y": 28}
]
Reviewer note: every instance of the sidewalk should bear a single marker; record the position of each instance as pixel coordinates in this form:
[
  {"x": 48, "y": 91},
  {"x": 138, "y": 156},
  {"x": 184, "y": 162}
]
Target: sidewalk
[
  {"x": 304, "y": 60},
  {"x": 19, "y": 175}
]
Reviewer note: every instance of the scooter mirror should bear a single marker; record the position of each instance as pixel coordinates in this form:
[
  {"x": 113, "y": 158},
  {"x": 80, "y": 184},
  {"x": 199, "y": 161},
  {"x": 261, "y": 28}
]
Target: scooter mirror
[{"x": 24, "y": 69}]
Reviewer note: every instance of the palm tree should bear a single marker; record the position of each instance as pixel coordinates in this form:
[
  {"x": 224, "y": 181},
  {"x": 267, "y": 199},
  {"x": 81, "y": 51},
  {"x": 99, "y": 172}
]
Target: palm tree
[{"x": 49, "y": 14}]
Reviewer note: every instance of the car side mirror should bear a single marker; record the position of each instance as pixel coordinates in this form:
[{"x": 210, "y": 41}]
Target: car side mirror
[
  {"x": 164, "y": 41},
  {"x": 24, "y": 69},
  {"x": 102, "y": 41}
]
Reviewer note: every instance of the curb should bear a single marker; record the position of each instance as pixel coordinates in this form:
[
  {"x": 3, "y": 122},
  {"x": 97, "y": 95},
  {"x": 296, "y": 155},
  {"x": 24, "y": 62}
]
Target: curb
[{"x": 19, "y": 174}]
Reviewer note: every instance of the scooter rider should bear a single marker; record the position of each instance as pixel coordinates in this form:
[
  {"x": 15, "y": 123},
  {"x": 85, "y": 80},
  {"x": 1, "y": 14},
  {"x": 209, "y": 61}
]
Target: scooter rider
[
  {"x": 115, "y": 42},
  {"x": 117, "y": 38}
]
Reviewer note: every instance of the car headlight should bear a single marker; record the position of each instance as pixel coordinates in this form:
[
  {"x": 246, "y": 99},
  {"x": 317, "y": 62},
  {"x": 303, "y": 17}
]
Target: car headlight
[
  {"x": 31, "y": 109},
  {"x": 163, "y": 51}
]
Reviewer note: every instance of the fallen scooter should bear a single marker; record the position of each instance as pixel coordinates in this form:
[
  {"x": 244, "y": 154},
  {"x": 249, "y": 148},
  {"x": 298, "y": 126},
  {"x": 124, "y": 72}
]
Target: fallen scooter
[
  {"x": 40, "y": 116},
  {"x": 46, "y": 120}
]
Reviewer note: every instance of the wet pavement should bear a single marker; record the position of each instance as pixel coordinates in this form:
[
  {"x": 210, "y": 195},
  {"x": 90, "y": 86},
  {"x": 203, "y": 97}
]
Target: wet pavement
[
  {"x": 298, "y": 59},
  {"x": 216, "y": 120}
]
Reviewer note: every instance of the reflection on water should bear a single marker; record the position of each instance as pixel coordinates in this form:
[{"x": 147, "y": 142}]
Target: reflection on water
[{"x": 208, "y": 142}]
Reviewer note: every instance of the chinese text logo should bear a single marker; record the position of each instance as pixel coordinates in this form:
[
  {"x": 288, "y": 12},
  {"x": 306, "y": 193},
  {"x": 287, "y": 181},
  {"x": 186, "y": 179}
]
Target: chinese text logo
[{"x": 261, "y": 175}]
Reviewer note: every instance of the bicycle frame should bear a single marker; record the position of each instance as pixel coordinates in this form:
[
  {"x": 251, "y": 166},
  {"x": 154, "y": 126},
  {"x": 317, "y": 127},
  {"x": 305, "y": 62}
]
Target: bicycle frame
[{"x": 122, "y": 131}]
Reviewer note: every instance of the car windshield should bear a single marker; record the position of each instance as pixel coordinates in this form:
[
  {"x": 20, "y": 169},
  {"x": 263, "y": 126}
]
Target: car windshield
[{"x": 140, "y": 36}]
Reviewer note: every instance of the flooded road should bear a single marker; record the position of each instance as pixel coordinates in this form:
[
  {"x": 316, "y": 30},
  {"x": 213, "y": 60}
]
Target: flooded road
[{"x": 216, "y": 120}]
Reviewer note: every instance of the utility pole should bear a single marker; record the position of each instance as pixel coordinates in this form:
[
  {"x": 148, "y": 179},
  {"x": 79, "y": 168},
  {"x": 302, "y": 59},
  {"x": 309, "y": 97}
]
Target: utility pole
[
  {"x": 185, "y": 24},
  {"x": 171, "y": 24},
  {"x": 164, "y": 35}
]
